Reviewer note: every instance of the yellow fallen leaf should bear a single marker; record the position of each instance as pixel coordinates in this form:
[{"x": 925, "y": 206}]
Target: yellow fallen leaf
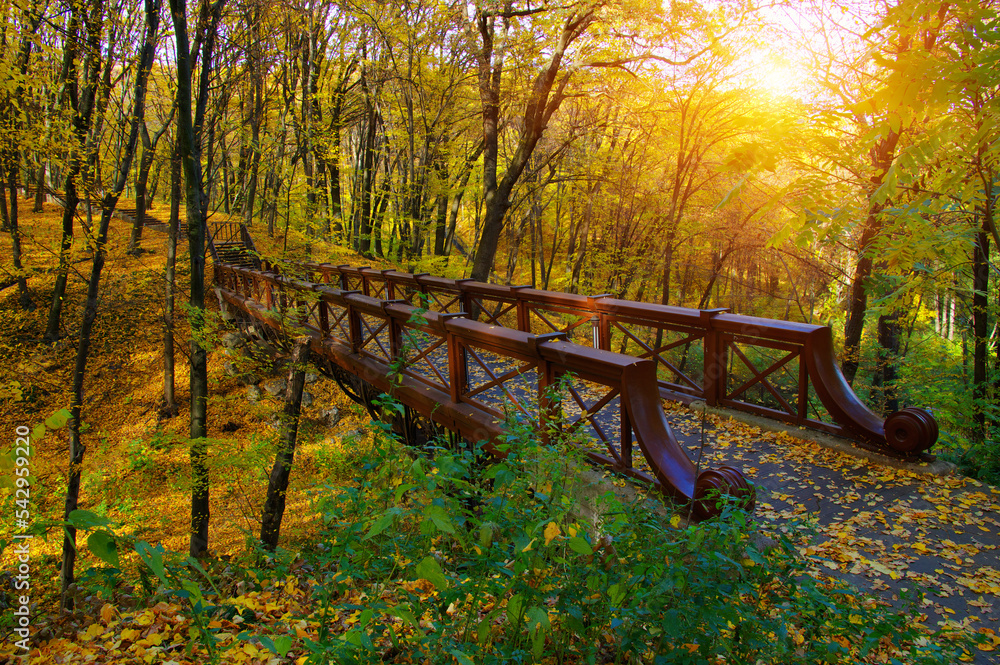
[
  {"x": 107, "y": 613},
  {"x": 551, "y": 531},
  {"x": 93, "y": 631}
]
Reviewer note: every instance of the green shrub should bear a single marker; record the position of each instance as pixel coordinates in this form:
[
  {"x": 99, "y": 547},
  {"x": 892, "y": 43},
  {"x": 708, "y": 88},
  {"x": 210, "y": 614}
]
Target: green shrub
[{"x": 513, "y": 573}]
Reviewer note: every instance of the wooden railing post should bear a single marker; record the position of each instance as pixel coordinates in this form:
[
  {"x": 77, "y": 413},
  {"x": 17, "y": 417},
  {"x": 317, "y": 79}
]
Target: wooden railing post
[
  {"x": 715, "y": 358},
  {"x": 458, "y": 369},
  {"x": 523, "y": 312},
  {"x": 324, "y": 318},
  {"x": 625, "y": 436},
  {"x": 354, "y": 327},
  {"x": 343, "y": 277},
  {"x": 395, "y": 330},
  {"x": 423, "y": 300}
]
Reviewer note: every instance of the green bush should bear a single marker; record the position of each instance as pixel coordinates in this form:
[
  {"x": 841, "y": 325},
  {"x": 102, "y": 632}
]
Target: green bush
[{"x": 514, "y": 573}]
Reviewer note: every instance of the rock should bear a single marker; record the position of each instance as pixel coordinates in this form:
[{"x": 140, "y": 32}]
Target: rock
[
  {"x": 231, "y": 340},
  {"x": 331, "y": 416},
  {"x": 231, "y": 369},
  {"x": 354, "y": 435},
  {"x": 276, "y": 387},
  {"x": 253, "y": 394},
  {"x": 312, "y": 377},
  {"x": 307, "y": 398}
]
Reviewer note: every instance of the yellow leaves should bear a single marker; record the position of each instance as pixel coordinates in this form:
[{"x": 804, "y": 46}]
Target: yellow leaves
[
  {"x": 879, "y": 567},
  {"x": 108, "y": 613},
  {"x": 992, "y": 642},
  {"x": 92, "y": 632},
  {"x": 552, "y": 530}
]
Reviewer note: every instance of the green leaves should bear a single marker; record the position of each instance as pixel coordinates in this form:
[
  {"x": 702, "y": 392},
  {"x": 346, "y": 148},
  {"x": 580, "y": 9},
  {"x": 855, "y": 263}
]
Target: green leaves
[
  {"x": 580, "y": 546},
  {"x": 85, "y": 519},
  {"x": 382, "y": 523},
  {"x": 58, "y": 419},
  {"x": 279, "y": 645},
  {"x": 439, "y": 517},
  {"x": 429, "y": 569},
  {"x": 104, "y": 546},
  {"x": 153, "y": 558}
]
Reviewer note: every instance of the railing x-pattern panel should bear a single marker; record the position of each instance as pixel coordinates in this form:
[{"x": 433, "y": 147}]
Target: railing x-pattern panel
[{"x": 777, "y": 369}]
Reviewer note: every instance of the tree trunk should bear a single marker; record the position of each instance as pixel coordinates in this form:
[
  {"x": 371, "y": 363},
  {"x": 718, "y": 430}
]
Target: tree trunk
[
  {"x": 857, "y": 305},
  {"x": 886, "y": 374},
  {"x": 4, "y": 217},
  {"x": 76, "y": 447},
  {"x": 169, "y": 408},
  {"x": 24, "y": 297},
  {"x": 980, "y": 331},
  {"x": 277, "y": 486},
  {"x": 82, "y": 106},
  {"x": 189, "y": 140},
  {"x": 40, "y": 188},
  {"x": 545, "y": 98},
  {"x": 145, "y": 162}
]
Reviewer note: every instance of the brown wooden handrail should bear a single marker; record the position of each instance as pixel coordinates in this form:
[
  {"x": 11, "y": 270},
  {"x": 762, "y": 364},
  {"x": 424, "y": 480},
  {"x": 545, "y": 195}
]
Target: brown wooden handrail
[
  {"x": 732, "y": 346},
  {"x": 368, "y": 336}
]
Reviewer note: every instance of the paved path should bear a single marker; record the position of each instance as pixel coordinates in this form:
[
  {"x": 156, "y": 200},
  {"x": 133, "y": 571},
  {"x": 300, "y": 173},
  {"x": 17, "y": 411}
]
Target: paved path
[{"x": 880, "y": 528}]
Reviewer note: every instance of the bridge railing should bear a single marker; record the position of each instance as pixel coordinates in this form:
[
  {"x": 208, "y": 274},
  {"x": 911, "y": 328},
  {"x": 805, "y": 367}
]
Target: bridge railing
[
  {"x": 777, "y": 369},
  {"x": 470, "y": 376}
]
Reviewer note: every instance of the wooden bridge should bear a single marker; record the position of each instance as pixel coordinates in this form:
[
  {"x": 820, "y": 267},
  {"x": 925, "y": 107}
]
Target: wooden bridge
[{"x": 467, "y": 355}]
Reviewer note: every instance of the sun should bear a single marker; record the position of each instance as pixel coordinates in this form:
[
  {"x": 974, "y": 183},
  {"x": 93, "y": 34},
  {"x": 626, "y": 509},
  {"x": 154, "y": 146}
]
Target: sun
[{"x": 775, "y": 76}]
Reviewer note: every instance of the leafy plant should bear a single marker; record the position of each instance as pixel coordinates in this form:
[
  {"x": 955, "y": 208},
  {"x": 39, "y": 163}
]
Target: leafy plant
[{"x": 506, "y": 569}]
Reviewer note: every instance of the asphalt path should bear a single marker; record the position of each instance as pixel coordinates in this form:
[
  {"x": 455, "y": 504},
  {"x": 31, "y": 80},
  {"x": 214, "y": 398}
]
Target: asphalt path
[{"x": 884, "y": 527}]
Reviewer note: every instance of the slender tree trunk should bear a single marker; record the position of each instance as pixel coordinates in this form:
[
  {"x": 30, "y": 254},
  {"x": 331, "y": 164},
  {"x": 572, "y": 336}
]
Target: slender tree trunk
[
  {"x": 83, "y": 106},
  {"x": 76, "y": 447},
  {"x": 143, "y": 198},
  {"x": 169, "y": 408},
  {"x": 4, "y": 217},
  {"x": 189, "y": 128},
  {"x": 545, "y": 98},
  {"x": 886, "y": 375},
  {"x": 980, "y": 330},
  {"x": 277, "y": 486},
  {"x": 40, "y": 188},
  {"x": 857, "y": 305},
  {"x": 24, "y": 297}
]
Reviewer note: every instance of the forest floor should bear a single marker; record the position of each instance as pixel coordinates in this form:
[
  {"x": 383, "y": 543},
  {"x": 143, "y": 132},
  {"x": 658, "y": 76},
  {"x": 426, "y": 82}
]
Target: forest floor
[{"x": 883, "y": 529}]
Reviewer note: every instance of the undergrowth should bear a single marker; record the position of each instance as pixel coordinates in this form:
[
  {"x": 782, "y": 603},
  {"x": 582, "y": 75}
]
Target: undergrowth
[{"x": 446, "y": 555}]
